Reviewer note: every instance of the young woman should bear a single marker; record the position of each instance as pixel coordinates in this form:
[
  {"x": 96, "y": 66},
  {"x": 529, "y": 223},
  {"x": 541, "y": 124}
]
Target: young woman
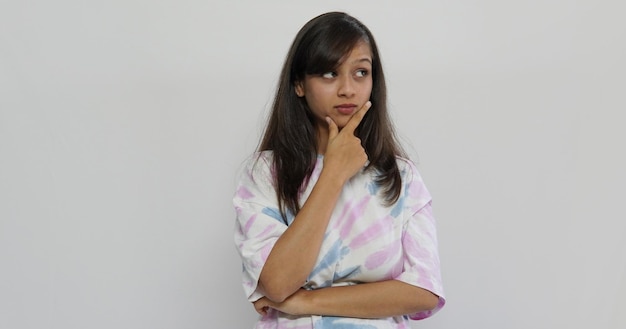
[{"x": 334, "y": 224}]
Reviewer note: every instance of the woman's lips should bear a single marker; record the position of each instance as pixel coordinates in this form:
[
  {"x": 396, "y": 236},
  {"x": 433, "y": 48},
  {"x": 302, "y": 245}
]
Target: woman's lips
[{"x": 346, "y": 109}]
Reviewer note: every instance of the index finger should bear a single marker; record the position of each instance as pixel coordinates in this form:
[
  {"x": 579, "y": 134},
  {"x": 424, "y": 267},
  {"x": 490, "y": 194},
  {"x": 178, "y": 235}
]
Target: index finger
[{"x": 355, "y": 120}]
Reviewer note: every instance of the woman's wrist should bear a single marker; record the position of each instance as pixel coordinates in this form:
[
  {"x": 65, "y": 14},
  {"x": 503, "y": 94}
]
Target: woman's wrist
[
  {"x": 304, "y": 302},
  {"x": 333, "y": 178}
]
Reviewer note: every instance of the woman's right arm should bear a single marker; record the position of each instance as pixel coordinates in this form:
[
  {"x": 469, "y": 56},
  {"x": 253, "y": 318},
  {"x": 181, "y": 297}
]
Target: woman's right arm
[{"x": 294, "y": 254}]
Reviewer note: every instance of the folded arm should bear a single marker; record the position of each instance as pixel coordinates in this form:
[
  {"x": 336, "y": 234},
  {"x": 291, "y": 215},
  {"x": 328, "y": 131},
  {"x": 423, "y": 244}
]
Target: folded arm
[{"x": 367, "y": 300}]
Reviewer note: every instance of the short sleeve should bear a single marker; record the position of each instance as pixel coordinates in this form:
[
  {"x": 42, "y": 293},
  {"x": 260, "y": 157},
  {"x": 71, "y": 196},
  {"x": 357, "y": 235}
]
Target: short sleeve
[
  {"x": 419, "y": 241},
  {"x": 258, "y": 222}
]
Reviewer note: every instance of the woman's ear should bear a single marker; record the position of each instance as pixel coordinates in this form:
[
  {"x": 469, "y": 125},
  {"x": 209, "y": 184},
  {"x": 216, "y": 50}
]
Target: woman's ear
[{"x": 299, "y": 88}]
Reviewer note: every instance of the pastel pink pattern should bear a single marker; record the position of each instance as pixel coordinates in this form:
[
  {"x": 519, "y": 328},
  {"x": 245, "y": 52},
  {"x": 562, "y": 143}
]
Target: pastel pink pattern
[{"x": 365, "y": 241}]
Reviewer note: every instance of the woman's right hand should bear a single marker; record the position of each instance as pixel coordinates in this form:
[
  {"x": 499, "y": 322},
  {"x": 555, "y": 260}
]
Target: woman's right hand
[
  {"x": 294, "y": 304},
  {"x": 345, "y": 155}
]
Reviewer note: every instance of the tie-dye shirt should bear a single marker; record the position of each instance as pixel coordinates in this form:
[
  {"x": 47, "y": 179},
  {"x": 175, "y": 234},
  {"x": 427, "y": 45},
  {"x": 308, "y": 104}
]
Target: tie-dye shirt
[{"x": 365, "y": 241}]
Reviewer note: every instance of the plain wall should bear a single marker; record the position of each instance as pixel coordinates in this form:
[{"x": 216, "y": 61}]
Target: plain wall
[{"x": 123, "y": 125}]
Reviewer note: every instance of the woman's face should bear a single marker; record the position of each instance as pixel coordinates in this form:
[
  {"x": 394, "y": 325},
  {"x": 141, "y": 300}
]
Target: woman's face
[{"x": 342, "y": 92}]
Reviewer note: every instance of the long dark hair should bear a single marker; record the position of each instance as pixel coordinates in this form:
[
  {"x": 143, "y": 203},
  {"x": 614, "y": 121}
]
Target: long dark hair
[{"x": 290, "y": 133}]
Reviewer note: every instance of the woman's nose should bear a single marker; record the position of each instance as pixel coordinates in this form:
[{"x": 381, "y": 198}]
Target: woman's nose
[{"x": 346, "y": 87}]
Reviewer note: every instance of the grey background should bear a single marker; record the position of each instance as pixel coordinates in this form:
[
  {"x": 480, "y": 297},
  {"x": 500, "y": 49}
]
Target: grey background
[{"x": 123, "y": 125}]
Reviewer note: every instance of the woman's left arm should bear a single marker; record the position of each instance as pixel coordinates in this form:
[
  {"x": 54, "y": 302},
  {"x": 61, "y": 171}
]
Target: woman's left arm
[{"x": 366, "y": 300}]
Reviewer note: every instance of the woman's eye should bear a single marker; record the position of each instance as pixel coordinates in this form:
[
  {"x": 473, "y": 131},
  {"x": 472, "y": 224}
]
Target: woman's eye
[
  {"x": 329, "y": 75},
  {"x": 361, "y": 73}
]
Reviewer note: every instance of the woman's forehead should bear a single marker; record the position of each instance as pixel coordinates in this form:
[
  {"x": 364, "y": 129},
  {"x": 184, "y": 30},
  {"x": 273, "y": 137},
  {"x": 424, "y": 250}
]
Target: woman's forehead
[{"x": 361, "y": 52}]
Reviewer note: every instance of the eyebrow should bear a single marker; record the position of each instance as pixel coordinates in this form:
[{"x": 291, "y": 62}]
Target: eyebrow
[{"x": 364, "y": 59}]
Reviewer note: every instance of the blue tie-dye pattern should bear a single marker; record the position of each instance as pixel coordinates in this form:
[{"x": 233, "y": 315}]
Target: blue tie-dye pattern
[
  {"x": 328, "y": 322},
  {"x": 346, "y": 273},
  {"x": 325, "y": 284},
  {"x": 398, "y": 207},
  {"x": 373, "y": 188},
  {"x": 274, "y": 213},
  {"x": 331, "y": 258},
  {"x": 290, "y": 218}
]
